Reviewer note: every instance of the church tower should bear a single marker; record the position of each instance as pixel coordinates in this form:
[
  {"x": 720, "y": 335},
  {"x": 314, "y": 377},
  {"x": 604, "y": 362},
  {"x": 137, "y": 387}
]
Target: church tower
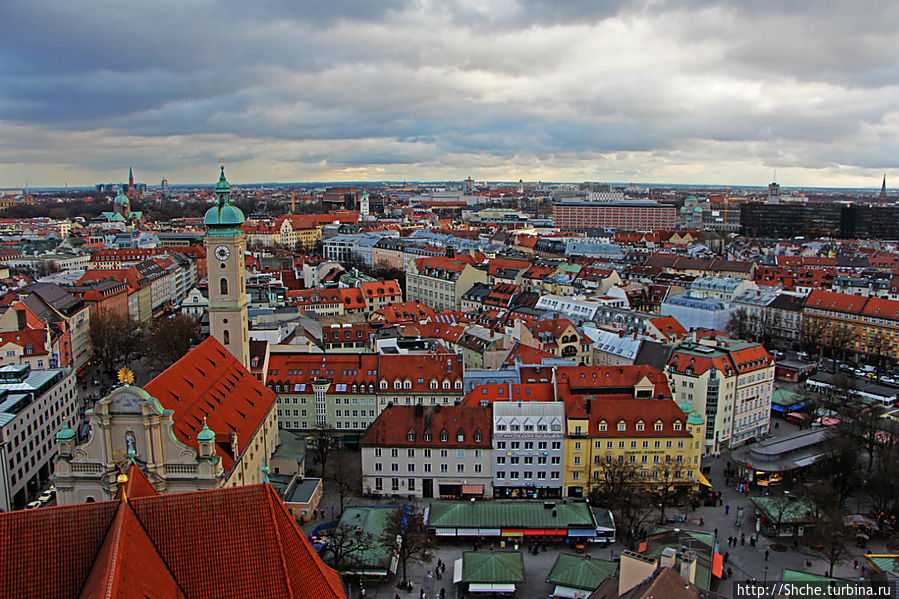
[{"x": 225, "y": 246}]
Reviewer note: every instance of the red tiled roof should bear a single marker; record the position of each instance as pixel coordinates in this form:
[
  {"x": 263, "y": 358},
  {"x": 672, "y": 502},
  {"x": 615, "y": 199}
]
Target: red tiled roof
[
  {"x": 831, "y": 300},
  {"x": 420, "y": 370},
  {"x": 609, "y": 380},
  {"x": 209, "y": 382},
  {"x": 392, "y": 426},
  {"x": 403, "y": 312},
  {"x": 631, "y": 411},
  {"x": 509, "y": 392},
  {"x": 37, "y": 338},
  {"x": 49, "y": 552},
  {"x": 128, "y": 564},
  {"x": 669, "y": 326},
  {"x": 138, "y": 484},
  {"x": 236, "y": 542},
  {"x": 380, "y": 288}
]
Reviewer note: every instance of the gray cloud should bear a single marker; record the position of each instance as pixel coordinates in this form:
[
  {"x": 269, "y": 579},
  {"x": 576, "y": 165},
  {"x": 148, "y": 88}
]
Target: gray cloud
[{"x": 509, "y": 89}]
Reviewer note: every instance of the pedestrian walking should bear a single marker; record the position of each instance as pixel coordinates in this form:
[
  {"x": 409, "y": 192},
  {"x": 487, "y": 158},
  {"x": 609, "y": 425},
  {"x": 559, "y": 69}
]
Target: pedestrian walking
[
  {"x": 727, "y": 509},
  {"x": 855, "y": 565},
  {"x": 766, "y": 555},
  {"x": 716, "y": 533},
  {"x": 726, "y": 556},
  {"x": 743, "y": 540}
]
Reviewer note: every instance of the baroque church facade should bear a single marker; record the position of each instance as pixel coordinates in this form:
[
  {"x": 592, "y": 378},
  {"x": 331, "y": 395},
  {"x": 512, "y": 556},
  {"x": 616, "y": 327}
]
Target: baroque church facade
[{"x": 203, "y": 423}]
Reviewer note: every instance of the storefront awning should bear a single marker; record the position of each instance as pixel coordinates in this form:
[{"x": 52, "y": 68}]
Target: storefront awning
[
  {"x": 717, "y": 564},
  {"x": 704, "y": 481},
  {"x": 472, "y": 489},
  {"x": 513, "y": 532},
  {"x": 481, "y": 587}
]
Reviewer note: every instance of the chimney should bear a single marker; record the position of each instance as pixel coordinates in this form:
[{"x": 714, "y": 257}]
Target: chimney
[
  {"x": 634, "y": 568},
  {"x": 20, "y": 319},
  {"x": 688, "y": 567},
  {"x": 669, "y": 557}
]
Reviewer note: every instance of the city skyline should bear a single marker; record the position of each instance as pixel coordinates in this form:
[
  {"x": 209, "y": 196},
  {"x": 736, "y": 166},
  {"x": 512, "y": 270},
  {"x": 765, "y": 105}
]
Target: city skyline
[{"x": 716, "y": 93}]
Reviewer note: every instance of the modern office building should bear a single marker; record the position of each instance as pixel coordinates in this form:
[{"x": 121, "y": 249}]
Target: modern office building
[{"x": 631, "y": 215}]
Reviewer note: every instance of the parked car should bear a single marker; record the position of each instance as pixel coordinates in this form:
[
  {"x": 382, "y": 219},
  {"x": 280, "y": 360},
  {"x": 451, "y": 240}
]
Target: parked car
[
  {"x": 45, "y": 497},
  {"x": 33, "y": 505},
  {"x": 846, "y": 368}
]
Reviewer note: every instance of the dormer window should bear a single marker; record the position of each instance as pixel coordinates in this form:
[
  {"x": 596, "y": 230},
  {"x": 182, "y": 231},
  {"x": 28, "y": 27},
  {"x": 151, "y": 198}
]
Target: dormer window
[
  {"x": 426, "y": 436},
  {"x": 460, "y": 436},
  {"x": 407, "y": 384},
  {"x": 477, "y": 436},
  {"x": 658, "y": 425},
  {"x": 410, "y": 436},
  {"x": 603, "y": 426},
  {"x": 383, "y": 384},
  {"x": 397, "y": 384},
  {"x": 444, "y": 436},
  {"x": 640, "y": 426},
  {"x": 622, "y": 426},
  {"x": 434, "y": 385},
  {"x": 458, "y": 384},
  {"x": 446, "y": 384},
  {"x": 677, "y": 425}
]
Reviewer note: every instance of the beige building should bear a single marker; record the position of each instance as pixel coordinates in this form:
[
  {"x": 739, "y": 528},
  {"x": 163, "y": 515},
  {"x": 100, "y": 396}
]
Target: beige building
[
  {"x": 727, "y": 381},
  {"x": 441, "y": 282},
  {"x": 429, "y": 451}
]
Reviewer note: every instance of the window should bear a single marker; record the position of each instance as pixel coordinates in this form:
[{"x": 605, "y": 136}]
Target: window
[
  {"x": 410, "y": 453},
  {"x": 394, "y": 452},
  {"x": 223, "y": 286},
  {"x": 379, "y": 484},
  {"x": 640, "y": 427},
  {"x": 410, "y": 467},
  {"x": 501, "y": 460},
  {"x": 394, "y": 484},
  {"x": 444, "y": 436},
  {"x": 460, "y": 453},
  {"x": 658, "y": 425},
  {"x": 427, "y": 466},
  {"x": 394, "y": 467},
  {"x": 460, "y": 467},
  {"x": 226, "y": 337},
  {"x": 427, "y": 437},
  {"x": 443, "y": 468},
  {"x": 621, "y": 426},
  {"x": 378, "y": 466},
  {"x": 410, "y": 436}
]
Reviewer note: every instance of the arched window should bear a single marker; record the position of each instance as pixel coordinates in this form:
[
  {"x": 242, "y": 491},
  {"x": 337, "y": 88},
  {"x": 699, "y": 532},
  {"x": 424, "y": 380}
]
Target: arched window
[
  {"x": 223, "y": 286},
  {"x": 226, "y": 336}
]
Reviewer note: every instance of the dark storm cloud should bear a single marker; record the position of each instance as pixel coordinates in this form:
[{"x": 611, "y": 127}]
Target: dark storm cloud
[{"x": 418, "y": 83}]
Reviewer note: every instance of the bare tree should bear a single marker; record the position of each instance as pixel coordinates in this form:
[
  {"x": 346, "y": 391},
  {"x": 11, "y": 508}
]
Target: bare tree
[
  {"x": 739, "y": 325},
  {"x": 407, "y": 537},
  {"x": 618, "y": 486},
  {"x": 829, "y": 537},
  {"x": 666, "y": 488},
  {"x": 322, "y": 442},
  {"x": 812, "y": 335},
  {"x": 879, "y": 348},
  {"x": 346, "y": 473},
  {"x": 169, "y": 340},
  {"x": 346, "y": 547},
  {"x": 115, "y": 339}
]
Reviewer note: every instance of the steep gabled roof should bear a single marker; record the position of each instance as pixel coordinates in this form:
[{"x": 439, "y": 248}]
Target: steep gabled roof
[
  {"x": 236, "y": 542},
  {"x": 209, "y": 382}
]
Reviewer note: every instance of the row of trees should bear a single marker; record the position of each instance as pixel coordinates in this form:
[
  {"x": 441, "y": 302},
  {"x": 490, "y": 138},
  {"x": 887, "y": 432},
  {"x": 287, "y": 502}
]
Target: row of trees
[{"x": 118, "y": 339}]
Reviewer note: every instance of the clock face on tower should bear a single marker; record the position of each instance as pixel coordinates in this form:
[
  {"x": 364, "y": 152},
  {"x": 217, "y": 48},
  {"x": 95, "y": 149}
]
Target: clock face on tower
[{"x": 222, "y": 252}]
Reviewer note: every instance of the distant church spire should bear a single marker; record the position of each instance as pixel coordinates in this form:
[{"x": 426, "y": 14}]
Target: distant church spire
[
  {"x": 130, "y": 182},
  {"x": 883, "y": 191}
]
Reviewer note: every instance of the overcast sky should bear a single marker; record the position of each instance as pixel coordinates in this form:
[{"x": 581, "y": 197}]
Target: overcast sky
[{"x": 564, "y": 90}]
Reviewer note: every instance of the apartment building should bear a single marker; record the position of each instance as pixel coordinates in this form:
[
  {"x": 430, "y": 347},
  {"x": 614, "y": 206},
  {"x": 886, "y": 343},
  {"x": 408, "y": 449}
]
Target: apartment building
[
  {"x": 429, "y": 451},
  {"x": 626, "y": 414},
  {"x": 528, "y": 449},
  {"x": 868, "y": 326},
  {"x": 346, "y": 392},
  {"x": 441, "y": 282},
  {"x": 34, "y": 404},
  {"x": 729, "y": 382}
]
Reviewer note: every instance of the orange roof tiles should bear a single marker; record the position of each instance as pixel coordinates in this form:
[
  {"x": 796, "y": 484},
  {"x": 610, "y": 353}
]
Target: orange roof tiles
[
  {"x": 209, "y": 382},
  {"x": 236, "y": 542},
  {"x": 631, "y": 412}
]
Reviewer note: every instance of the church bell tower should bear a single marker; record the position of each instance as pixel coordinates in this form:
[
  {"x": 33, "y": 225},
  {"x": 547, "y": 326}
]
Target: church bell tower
[{"x": 225, "y": 246}]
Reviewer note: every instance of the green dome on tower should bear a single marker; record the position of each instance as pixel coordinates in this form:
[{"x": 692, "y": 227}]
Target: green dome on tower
[
  {"x": 223, "y": 214},
  {"x": 206, "y": 434},
  {"x": 65, "y": 434},
  {"x": 121, "y": 198}
]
